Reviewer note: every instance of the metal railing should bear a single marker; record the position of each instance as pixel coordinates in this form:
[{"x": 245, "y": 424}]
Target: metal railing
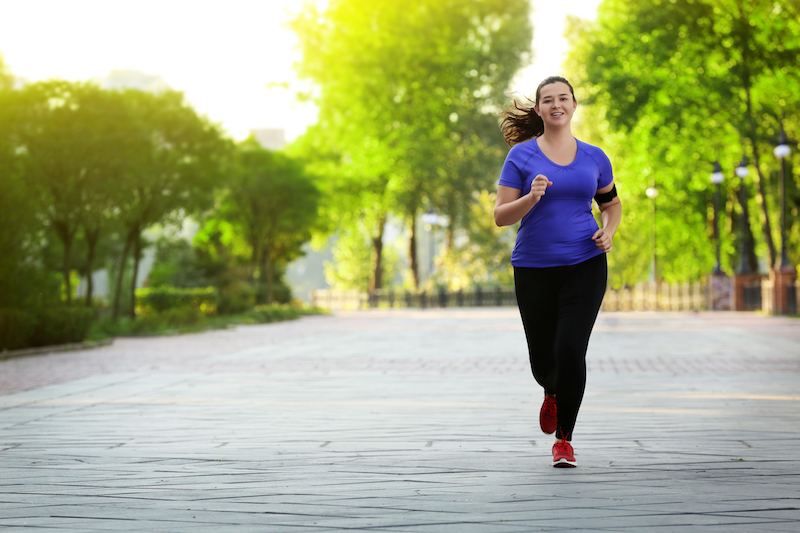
[
  {"x": 752, "y": 296},
  {"x": 441, "y": 297},
  {"x": 642, "y": 297},
  {"x": 656, "y": 297},
  {"x": 791, "y": 298}
]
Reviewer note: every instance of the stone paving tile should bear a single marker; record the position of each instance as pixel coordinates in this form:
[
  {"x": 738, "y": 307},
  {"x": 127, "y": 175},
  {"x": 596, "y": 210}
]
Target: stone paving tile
[{"x": 406, "y": 421}]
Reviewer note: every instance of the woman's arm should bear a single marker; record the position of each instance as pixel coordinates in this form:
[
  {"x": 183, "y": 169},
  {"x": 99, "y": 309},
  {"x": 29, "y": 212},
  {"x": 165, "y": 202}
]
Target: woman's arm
[
  {"x": 611, "y": 212},
  {"x": 510, "y": 207}
]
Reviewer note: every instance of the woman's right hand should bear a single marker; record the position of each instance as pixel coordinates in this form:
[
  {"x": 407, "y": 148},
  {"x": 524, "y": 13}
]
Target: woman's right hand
[
  {"x": 539, "y": 186},
  {"x": 511, "y": 205}
]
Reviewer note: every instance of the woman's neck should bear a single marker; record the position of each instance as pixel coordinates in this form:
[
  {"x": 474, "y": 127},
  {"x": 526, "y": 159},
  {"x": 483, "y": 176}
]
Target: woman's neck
[{"x": 558, "y": 136}]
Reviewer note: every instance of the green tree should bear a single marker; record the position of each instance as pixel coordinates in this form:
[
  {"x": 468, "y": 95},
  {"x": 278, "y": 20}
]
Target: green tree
[
  {"x": 408, "y": 94},
  {"x": 481, "y": 254},
  {"x": 173, "y": 160},
  {"x": 669, "y": 87},
  {"x": 23, "y": 282},
  {"x": 68, "y": 142},
  {"x": 273, "y": 202}
]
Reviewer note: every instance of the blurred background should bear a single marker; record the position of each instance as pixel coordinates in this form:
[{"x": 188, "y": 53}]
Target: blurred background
[{"x": 180, "y": 164}]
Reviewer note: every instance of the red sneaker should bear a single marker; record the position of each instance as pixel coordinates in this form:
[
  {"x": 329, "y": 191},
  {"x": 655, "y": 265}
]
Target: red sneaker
[
  {"x": 563, "y": 455},
  {"x": 548, "y": 420}
]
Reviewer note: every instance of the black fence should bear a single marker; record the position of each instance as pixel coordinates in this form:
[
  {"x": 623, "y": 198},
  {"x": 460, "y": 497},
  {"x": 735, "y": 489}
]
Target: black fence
[
  {"x": 752, "y": 296},
  {"x": 477, "y": 297},
  {"x": 756, "y": 295},
  {"x": 791, "y": 298}
]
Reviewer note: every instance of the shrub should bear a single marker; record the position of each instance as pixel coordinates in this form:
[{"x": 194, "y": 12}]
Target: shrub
[
  {"x": 61, "y": 325},
  {"x": 182, "y": 316},
  {"x": 264, "y": 314},
  {"x": 160, "y": 299},
  {"x": 16, "y": 327},
  {"x": 236, "y": 297},
  {"x": 175, "y": 265}
]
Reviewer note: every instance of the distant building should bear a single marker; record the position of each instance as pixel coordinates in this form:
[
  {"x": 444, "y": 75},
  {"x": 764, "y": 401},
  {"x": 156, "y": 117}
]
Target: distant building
[
  {"x": 133, "y": 79},
  {"x": 270, "y": 138}
]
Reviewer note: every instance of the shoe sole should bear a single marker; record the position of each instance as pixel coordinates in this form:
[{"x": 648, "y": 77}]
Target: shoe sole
[{"x": 563, "y": 463}]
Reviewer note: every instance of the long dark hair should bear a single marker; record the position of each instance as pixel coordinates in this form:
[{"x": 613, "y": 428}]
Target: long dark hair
[{"x": 520, "y": 121}]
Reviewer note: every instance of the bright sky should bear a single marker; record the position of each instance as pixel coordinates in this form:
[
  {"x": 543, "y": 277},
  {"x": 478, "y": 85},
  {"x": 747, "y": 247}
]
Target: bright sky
[{"x": 222, "y": 55}]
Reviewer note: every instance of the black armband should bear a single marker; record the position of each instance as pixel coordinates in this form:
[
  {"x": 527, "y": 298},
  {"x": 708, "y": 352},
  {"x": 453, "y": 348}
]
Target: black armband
[{"x": 606, "y": 197}]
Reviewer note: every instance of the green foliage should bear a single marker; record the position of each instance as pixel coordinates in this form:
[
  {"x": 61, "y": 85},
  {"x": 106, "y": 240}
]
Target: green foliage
[
  {"x": 159, "y": 299},
  {"x": 46, "y": 327},
  {"x": 266, "y": 214},
  {"x": 222, "y": 255},
  {"x": 264, "y": 314},
  {"x": 67, "y": 137},
  {"x": 353, "y": 257},
  {"x": 61, "y": 325},
  {"x": 236, "y": 297},
  {"x": 482, "y": 254},
  {"x": 186, "y": 320},
  {"x": 95, "y": 163},
  {"x": 16, "y": 328},
  {"x": 177, "y": 158},
  {"x": 176, "y": 265},
  {"x": 666, "y": 88},
  {"x": 408, "y": 95},
  {"x": 23, "y": 282}
]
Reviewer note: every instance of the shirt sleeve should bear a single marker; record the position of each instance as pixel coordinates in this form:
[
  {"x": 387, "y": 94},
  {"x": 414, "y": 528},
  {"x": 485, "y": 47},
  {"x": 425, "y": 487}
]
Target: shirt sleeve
[
  {"x": 511, "y": 176},
  {"x": 606, "y": 174}
]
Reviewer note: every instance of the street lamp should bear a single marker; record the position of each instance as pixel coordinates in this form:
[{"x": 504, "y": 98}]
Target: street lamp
[
  {"x": 652, "y": 193},
  {"x": 742, "y": 172},
  {"x": 782, "y": 151},
  {"x": 716, "y": 178}
]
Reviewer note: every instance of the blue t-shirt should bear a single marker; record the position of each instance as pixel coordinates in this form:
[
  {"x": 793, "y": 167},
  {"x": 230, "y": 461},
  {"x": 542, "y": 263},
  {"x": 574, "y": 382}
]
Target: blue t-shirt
[{"x": 558, "y": 230}]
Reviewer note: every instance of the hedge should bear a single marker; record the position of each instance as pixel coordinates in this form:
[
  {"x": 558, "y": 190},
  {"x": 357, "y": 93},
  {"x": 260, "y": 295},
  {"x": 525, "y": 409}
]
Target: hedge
[
  {"x": 44, "y": 327},
  {"x": 61, "y": 325},
  {"x": 264, "y": 314},
  {"x": 160, "y": 299},
  {"x": 16, "y": 327}
]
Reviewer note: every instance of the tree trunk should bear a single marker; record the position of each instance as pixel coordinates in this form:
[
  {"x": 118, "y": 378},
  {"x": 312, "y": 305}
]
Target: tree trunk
[
  {"x": 270, "y": 268},
  {"x": 762, "y": 196},
  {"x": 137, "y": 256},
  {"x": 376, "y": 280},
  {"x": 749, "y": 242},
  {"x": 449, "y": 232},
  {"x": 412, "y": 250},
  {"x": 68, "y": 268},
  {"x": 67, "y": 236},
  {"x": 92, "y": 236},
  {"x": 121, "y": 274},
  {"x": 261, "y": 287},
  {"x": 751, "y": 135}
]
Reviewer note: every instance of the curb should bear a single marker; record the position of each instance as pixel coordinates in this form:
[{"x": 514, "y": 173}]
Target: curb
[{"x": 12, "y": 354}]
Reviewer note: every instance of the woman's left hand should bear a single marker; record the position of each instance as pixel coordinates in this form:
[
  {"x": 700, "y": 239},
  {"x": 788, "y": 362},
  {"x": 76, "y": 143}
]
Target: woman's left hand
[{"x": 603, "y": 240}]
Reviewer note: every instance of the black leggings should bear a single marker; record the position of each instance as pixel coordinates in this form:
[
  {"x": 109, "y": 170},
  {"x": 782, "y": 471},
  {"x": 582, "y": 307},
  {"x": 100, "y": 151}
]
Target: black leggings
[{"x": 559, "y": 306}]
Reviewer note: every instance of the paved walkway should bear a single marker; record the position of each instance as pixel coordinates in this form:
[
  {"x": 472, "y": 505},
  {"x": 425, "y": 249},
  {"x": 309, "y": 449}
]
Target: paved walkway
[{"x": 406, "y": 421}]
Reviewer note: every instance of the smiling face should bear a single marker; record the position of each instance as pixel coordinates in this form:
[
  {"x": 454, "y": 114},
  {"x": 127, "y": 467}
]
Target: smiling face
[{"x": 556, "y": 104}]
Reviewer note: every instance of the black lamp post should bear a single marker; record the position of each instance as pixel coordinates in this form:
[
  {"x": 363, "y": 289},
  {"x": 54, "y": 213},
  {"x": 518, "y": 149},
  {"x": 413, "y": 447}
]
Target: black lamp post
[
  {"x": 742, "y": 172},
  {"x": 782, "y": 151},
  {"x": 716, "y": 178}
]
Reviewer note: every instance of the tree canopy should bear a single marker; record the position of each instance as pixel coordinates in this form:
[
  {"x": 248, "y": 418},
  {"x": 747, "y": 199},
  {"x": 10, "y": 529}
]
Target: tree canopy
[
  {"x": 670, "y": 87},
  {"x": 408, "y": 94}
]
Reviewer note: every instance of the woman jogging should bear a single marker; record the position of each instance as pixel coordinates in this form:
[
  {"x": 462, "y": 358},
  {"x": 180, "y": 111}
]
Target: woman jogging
[{"x": 548, "y": 181}]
